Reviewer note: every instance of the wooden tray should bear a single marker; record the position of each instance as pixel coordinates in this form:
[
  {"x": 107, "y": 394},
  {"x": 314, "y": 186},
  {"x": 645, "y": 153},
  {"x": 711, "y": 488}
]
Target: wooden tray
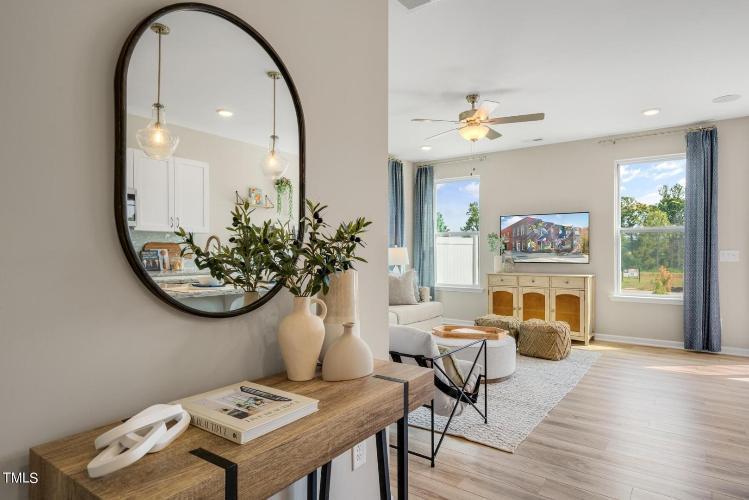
[{"x": 483, "y": 332}]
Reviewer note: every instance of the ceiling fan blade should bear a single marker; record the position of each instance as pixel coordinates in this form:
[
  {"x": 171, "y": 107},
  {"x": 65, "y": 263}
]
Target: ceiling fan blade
[
  {"x": 441, "y": 133},
  {"x": 485, "y": 110},
  {"x": 466, "y": 115},
  {"x": 493, "y": 134},
  {"x": 515, "y": 119},
  {"x": 431, "y": 120}
]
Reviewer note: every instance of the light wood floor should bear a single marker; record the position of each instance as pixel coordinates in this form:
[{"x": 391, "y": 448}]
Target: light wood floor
[{"x": 644, "y": 423}]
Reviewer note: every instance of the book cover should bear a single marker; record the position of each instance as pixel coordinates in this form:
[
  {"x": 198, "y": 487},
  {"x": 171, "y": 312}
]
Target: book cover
[{"x": 244, "y": 411}]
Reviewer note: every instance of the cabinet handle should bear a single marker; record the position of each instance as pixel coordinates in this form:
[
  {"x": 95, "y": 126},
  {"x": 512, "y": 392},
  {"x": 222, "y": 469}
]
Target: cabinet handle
[
  {"x": 177, "y": 221},
  {"x": 171, "y": 221}
]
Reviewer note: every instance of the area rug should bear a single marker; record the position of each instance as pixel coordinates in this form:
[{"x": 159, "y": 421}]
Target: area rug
[{"x": 516, "y": 405}]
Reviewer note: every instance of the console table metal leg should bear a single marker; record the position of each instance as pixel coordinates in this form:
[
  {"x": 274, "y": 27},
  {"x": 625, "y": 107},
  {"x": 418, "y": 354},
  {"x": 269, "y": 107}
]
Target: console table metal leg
[
  {"x": 431, "y": 416},
  {"x": 312, "y": 485},
  {"x": 382, "y": 464},
  {"x": 325, "y": 481},
  {"x": 403, "y": 457}
]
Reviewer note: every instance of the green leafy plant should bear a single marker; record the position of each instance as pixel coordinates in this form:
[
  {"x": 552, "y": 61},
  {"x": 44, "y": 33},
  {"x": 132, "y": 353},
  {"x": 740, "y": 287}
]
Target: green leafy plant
[
  {"x": 497, "y": 243},
  {"x": 284, "y": 187},
  {"x": 246, "y": 261},
  {"x": 304, "y": 264}
]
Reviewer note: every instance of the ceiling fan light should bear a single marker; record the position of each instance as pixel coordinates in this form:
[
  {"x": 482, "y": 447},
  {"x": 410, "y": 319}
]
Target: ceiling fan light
[{"x": 473, "y": 132}]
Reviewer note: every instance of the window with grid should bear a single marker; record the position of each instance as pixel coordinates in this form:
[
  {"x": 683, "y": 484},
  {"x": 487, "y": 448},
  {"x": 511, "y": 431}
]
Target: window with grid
[
  {"x": 650, "y": 233},
  {"x": 456, "y": 245}
]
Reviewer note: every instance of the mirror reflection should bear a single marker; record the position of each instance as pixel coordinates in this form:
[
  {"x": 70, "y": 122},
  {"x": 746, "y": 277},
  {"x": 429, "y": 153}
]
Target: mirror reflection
[{"x": 211, "y": 127}]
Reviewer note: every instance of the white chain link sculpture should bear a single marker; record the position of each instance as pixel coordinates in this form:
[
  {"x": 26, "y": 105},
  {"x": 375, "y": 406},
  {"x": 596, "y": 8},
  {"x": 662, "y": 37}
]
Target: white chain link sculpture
[{"x": 143, "y": 433}]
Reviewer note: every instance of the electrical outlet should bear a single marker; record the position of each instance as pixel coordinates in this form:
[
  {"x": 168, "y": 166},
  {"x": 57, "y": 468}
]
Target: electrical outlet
[
  {"x": 358, "y": 455},
  {"x": 729, "y": 256}
]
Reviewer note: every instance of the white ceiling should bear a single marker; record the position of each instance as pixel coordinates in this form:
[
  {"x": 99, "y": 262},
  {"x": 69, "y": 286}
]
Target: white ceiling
[
  {"x": 591, "y": 65},
  {"x": 208, "y": 63}
]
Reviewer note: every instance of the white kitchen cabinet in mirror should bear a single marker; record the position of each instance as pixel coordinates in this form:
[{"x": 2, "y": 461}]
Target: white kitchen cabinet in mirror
[
  {"x": 191, "y": 195},
  {"x": 170, "y": 193},
  {"x": 153, "y": 181}
]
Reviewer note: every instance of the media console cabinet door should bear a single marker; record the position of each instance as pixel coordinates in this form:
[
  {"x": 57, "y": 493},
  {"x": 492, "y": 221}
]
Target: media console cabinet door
[
  {"x": 534, "y": 303},
  {"x": 503, "y": 301},
  {"x": 569, "y": 306}
]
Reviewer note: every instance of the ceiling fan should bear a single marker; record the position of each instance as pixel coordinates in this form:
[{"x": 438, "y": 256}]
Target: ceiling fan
[{"x": 474, "y": 123}]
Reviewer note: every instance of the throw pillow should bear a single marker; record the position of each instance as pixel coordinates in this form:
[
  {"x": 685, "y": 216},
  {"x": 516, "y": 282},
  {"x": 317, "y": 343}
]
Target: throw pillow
[
  {"x": 402, "y": 289},
  {"x": 451, "y": 366}
]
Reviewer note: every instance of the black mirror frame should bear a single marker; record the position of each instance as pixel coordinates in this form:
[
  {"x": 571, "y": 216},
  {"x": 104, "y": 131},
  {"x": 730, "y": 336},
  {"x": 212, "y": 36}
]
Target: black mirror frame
[{"x": 120, "y": 179}]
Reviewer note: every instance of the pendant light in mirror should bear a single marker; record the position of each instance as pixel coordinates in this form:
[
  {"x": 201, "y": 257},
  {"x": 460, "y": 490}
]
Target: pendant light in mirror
[
  {"x": 274, "y": 164},
  {"x": 156, "y": 140}
]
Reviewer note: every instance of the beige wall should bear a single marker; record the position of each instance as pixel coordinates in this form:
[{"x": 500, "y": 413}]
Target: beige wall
[
  {"x": 580, "y": 176},
  {"x": 83, "y": 341}
]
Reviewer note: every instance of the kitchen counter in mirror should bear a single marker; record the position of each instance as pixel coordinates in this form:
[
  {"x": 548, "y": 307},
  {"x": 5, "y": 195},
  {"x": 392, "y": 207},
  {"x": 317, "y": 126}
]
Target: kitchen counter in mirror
[
  {"x": 178, "y": 276},
  {"x": 185, "y": 290},
  {"x": 210, "y": 298}
]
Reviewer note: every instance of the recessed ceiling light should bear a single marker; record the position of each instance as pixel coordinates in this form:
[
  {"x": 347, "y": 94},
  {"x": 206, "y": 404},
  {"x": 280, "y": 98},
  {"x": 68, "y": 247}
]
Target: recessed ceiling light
[
  {"x": 225, "y": 113},
  {"x": 426, "y": 147},
  {"x": 651, "y": 111},
  {"x": 726, "y": 98}
]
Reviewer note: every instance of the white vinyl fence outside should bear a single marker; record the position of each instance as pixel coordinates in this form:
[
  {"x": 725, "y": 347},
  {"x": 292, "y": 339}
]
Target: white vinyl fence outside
[{"x": 456, "y": 257}]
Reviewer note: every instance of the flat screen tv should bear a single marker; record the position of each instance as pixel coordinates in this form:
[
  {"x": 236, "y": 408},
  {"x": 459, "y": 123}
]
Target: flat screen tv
[{"x": 555, "y": 238}]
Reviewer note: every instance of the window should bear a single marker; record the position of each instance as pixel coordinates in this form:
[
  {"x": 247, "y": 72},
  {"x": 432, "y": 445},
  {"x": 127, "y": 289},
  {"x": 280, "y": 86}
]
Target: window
[
  {"x": 456, "y": 245},
  {"x": 650, "y": 233}
]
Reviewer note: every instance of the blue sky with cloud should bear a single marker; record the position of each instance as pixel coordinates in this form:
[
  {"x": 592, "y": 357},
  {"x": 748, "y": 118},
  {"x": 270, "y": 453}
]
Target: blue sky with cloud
[
  {"x": 452, "y": 199},
  {"x": 642, "y": 180}
]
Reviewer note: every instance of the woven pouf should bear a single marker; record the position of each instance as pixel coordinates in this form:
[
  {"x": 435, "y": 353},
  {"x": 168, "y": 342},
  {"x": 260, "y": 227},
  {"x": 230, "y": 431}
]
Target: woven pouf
[
  {"x": 509, "y": 323},
  {"x": 544, "y": 339}
]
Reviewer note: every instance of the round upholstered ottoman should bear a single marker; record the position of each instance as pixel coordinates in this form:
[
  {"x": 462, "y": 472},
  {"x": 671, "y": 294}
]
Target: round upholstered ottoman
[
  {"x": 500, "y": 354},
  {"x": 544, "y": 339}
]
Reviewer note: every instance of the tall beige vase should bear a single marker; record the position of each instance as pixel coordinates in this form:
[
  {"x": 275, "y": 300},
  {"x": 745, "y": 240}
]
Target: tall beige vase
[
  {"x": 348, "y": 358},
  {"x": 342, "y": 300},
  {"x": 300, "y": 336}
]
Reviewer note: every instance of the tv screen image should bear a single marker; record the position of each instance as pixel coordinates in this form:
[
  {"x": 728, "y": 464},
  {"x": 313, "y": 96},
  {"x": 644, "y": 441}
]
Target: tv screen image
[{"x": 562, "y": 237}]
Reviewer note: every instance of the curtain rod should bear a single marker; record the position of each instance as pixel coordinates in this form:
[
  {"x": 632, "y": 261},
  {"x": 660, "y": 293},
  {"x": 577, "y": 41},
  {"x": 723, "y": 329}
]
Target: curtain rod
[
  {"x": 629, "y": 137},
  {"x": 453, "y": 160}
]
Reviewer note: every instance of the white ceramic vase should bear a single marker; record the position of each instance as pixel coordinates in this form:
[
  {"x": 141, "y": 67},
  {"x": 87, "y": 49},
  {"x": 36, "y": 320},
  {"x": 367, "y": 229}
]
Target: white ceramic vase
[
  {"x": 300, "y": 336},
  {"x": 342, "y": 300},
  {"x": 497, "y": 263},
  {"x": 348, "y": 358}
]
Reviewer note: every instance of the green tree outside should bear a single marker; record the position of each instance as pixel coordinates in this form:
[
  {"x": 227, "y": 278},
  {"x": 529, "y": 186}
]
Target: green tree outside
[
  {"x": 651, "y": 253},
  {"x": 472, "y": 223}
]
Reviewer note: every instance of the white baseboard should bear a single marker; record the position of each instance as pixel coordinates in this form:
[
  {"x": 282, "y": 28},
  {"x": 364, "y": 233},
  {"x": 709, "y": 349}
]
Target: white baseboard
[
  {"x": 453, "y": 321},
  {"x": 670, "y": 344}
]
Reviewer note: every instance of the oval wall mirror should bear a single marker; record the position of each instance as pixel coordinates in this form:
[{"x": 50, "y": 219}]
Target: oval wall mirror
[{"x": 208, "y": 121}]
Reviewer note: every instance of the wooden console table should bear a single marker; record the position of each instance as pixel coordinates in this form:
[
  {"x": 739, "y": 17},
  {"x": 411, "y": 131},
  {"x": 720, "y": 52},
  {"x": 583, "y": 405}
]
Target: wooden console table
[{"x": 202, "y": 465}]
